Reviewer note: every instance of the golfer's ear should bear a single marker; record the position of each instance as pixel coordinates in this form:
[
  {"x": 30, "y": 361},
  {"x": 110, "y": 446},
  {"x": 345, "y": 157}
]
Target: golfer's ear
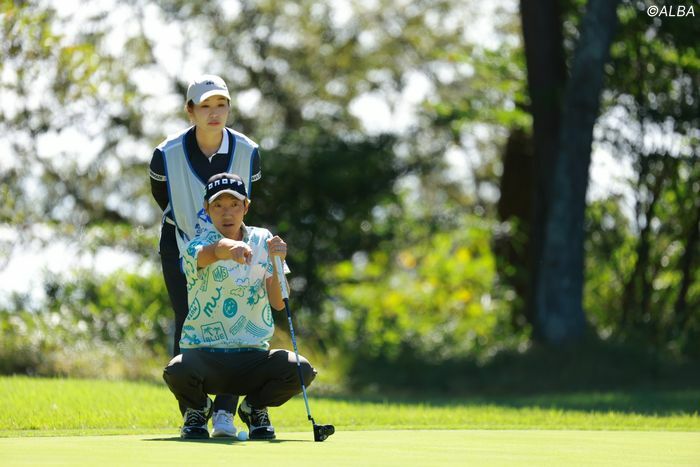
[{"x": 206, "y": 207}]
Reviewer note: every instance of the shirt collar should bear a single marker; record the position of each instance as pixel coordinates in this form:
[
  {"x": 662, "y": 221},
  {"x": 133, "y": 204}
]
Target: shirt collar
[
  {"x": 191, "y": 142},
  {"x": 223, "y": 149}
]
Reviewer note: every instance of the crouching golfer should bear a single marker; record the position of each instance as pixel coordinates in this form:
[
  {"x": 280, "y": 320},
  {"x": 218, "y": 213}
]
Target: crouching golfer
[{"x": 231, "y": 287}]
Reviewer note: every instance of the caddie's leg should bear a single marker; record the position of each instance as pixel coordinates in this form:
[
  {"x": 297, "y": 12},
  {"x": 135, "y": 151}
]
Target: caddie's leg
[
  {"x": 222, "y": 418},
  {"x": 176, "y": 284},
  {"x": 227, "y": 402}
]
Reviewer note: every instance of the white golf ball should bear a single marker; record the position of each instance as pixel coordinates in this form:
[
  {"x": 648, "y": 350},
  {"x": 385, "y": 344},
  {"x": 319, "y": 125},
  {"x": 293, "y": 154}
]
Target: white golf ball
[{"x": 242, "y": 435}]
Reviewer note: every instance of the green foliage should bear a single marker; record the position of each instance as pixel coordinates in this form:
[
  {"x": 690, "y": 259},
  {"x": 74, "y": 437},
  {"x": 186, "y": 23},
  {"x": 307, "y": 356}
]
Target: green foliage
[
  {"x": 610, "y": 249},
  {"x": 67, "y": 86},
  {"x": 113, "y": 327},
  {"x": 319, "y": 195},
  {"x": 641, "y": 287},
  {"x": 421, "y": 289},
  {"x": 429, "y": 300},
  {"x": 643, "y": 265}
]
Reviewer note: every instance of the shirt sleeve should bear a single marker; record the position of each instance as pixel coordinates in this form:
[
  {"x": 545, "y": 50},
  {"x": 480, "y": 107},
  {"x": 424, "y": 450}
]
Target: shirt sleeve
[
  {"x": 189, "y": 261},
  {"x": 159, "y": 185},
  {"x": 256, "y": 166}
]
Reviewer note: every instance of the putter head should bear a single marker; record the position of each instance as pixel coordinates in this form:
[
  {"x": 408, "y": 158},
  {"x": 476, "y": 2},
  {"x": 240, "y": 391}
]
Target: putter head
[{"x": 321, "y": 432}]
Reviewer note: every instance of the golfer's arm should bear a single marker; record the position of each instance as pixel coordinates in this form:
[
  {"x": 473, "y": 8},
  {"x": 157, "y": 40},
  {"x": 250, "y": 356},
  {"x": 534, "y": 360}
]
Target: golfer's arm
[
  {"x": 207, "y": 256},
  {"x": 274, "y": 292}
]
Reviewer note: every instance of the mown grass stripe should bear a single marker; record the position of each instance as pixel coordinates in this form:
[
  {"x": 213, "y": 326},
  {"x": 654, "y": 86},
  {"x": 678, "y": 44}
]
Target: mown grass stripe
[{"x": 38, "y": 406}]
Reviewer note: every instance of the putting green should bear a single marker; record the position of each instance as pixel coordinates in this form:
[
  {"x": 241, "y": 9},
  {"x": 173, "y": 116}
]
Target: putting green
[{"x": 353, "y": 448}]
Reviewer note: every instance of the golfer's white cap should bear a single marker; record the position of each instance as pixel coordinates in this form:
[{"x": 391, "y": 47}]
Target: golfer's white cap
[{"x": 206, "y": 86}]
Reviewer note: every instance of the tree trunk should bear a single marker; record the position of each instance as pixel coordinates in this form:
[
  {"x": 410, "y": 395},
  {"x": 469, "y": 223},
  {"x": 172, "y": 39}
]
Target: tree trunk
[
  {"x": 512, "y": 248},
  {"x": 546, "y": 76},
  {"x": 559, "y": 314}
]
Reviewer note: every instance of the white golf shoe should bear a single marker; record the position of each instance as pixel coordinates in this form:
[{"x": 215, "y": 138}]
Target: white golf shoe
[{"x": 222, "y": 422}]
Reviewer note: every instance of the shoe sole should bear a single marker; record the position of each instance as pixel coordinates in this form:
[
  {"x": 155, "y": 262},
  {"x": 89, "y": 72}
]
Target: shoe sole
[
  {"x": 222, "y": 434},
  {"x": 262, "y": 436}
]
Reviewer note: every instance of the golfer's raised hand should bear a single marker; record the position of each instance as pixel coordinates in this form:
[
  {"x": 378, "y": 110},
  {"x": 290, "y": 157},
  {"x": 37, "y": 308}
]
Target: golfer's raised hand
[
  {"x": 277, "y": 247},
  {"x": 236, "y": 250}
]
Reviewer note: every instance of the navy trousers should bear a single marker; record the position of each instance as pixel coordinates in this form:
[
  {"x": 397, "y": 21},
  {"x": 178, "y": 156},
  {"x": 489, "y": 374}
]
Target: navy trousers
[{"x": 268, "y": 378}]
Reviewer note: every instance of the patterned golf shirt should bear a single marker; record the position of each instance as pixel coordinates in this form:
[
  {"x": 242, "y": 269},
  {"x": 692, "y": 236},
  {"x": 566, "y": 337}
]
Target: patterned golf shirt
[{"x": 228, "y": 302}]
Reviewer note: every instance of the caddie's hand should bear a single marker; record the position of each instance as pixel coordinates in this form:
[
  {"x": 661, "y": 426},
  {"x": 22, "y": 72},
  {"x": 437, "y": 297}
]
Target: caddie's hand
[
  {"x": 277, "y": 247},
  {"x": 236, "y": 250}
]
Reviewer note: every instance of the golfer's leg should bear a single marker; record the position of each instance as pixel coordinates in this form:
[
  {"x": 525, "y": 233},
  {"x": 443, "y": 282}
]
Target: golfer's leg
[
  {"x": 275, "y": 379},
  {"x": 186, "y": 376}
]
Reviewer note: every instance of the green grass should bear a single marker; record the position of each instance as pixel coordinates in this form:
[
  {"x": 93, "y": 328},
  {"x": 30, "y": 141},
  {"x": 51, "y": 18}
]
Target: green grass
[
  {"x": 369, "y": 448},
  {"x": 64, "y": 421},
  {"x": 38, "y": 406}
]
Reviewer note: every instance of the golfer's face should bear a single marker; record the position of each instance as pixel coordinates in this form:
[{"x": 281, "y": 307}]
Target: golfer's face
[
  {"x": 211, "y": 114},
  {"x": 227, "y": 214}
]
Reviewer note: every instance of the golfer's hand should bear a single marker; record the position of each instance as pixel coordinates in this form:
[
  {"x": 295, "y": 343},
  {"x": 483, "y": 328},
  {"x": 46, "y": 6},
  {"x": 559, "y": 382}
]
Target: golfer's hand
[
  {"x": 236, "y": 250},
  {"x": 277, "y": 247}
]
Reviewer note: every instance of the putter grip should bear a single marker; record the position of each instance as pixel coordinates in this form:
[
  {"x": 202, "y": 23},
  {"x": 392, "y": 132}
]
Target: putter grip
[{"x": 280, "y": 277}]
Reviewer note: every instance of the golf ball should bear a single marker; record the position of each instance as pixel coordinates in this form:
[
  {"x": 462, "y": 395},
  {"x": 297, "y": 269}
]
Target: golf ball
[{"x": 242, "y": 435}]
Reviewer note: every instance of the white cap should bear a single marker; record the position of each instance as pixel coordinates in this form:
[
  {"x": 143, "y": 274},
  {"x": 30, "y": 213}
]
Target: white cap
[{"x": 205, "y": 86}]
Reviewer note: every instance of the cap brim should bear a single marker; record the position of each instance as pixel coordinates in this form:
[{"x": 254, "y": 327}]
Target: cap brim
[
  {"x": 230, "y": 192},
  {"x": 208, "y": 94}
]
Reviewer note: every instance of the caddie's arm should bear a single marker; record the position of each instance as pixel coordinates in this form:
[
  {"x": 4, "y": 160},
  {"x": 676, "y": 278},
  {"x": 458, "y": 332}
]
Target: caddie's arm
[
  {"x": 276, "y": 247},
  {"x": 225, "y": 248}
]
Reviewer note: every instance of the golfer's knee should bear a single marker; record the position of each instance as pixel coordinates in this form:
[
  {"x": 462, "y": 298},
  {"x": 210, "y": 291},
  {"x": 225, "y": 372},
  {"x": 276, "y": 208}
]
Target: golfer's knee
[
  {"x": 290, "y": 371},
  {"x": 176, "y": 372},
  {"x": 308, "y": 372}
]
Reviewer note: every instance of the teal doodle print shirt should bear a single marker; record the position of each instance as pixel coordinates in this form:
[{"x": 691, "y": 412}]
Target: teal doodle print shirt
[{"x": 229, "y": 307}]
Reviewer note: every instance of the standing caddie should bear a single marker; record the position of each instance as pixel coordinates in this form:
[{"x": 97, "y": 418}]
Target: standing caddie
[{"x": 179, "y": 170}]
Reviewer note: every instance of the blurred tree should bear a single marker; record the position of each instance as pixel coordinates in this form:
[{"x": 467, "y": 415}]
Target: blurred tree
[
  {"x": 70, "y": 117},
  {"x": 558, "y": 290},
  {"x": 564, "y": 111},
  {"x": 529, "y": 163},
  {"x": 650, "y": 90},
  {"x": 652, "y": 124},
  {"x": 323, "y": 87},
  {"x": 330, "y": 171},
  {"x": 512, "y": 245}
]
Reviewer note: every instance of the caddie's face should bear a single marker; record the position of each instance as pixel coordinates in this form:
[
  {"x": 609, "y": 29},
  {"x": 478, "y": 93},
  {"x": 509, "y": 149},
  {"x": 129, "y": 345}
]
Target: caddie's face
[
  {"x": 211, "y": 114},
  {"x": 227, "y": 213}
]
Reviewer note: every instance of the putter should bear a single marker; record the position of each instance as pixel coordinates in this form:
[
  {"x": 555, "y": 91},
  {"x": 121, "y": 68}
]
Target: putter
[{"x": 321, "y": 432}]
